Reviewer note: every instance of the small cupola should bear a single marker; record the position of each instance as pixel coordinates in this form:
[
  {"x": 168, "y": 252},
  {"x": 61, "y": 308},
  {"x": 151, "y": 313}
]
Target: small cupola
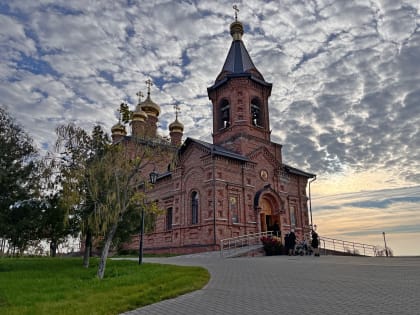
[
  {"x": 118, "y": 131},
  {"x": 139, "y": 118},
  {"x": 176, "y": 129}
]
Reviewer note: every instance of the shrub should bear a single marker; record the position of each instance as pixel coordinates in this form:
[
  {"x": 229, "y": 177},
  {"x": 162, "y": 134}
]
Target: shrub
[{"x": 272, "y": 245}]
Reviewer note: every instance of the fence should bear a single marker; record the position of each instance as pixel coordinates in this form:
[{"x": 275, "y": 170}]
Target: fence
[
  {"x": 232, "y": 246},
  {"x": 334, "y": 246}
]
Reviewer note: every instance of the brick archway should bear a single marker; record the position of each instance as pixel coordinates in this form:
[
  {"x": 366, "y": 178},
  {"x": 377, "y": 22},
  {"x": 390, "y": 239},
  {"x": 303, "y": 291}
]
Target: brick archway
[{"x": 267, "y": 204}]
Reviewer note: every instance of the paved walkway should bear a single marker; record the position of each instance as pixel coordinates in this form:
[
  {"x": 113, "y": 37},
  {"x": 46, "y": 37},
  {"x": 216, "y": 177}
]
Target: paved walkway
[{"x": 297, "y": 285}]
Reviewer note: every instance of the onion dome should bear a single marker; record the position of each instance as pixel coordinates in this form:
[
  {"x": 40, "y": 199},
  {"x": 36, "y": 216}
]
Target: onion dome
[
  {"x": 150, "y": 107},
  {"x": 139, "y": 114},
  {"x": 236, "y": 30},
  {"x": 118, "y": 129},
  {"x": 176, "y": 126}
]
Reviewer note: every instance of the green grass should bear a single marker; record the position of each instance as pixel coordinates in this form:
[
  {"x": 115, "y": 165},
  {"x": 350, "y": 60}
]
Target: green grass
[{"x": 62, "y": 286}]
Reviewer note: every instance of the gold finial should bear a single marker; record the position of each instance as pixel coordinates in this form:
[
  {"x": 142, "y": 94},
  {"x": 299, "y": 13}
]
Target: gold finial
[
  {"x": 235, "y": 7},
  {"x": 149, "y": 84},
  {"x": 140, "y": 95},
  {"x": 177, "y": 111}
]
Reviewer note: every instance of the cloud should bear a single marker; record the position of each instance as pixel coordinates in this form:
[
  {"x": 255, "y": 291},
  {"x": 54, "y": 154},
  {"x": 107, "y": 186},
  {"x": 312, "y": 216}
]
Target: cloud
[
  {"x": 363, "y": 216},
  {"x": 346, "y": 85}
]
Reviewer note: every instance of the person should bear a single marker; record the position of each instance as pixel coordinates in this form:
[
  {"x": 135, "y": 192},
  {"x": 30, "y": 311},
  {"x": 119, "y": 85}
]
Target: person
[
  {"x": 304, "y": 246},
  {"x": 315, "y": 243},
  {"x": 292, "y": 242},
  {"x": 286, "y": 243},
  {"x": 276, "y": 229}
]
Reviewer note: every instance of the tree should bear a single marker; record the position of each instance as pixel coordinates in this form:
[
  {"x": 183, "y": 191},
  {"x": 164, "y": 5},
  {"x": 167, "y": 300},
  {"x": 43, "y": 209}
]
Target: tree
[
  {"x": 113, "y": 183},
  {"x": 77, "y": 150},
  {"x": 18, "y": 179}
]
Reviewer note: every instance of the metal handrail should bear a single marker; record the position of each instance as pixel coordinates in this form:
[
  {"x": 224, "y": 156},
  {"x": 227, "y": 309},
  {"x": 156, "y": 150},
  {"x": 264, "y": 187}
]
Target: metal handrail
[
  {"x": 347, "y": 247},
  {"x": 327, "y": 244},
  {"x": 233, "y": 243}
]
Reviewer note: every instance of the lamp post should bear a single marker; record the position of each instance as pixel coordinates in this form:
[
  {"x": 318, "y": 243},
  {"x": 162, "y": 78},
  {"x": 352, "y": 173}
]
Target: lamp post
[
  {"x": 386, "y": 247},
  {"x": 152, "y": 180}
]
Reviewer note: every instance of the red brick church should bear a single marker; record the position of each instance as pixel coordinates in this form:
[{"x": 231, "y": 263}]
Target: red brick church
[{"x": 234, "y": 186}]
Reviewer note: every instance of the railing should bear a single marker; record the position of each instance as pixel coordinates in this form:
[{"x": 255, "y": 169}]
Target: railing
[
  {"x": 232, "y": 245},
  {"x": 334, "y": 246},
  {"x": 328, "y": 246}
]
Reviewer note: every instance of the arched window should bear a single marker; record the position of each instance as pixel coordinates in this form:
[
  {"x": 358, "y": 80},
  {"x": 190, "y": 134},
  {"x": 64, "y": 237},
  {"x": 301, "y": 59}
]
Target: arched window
[
  {"x": 256, "y": 114},
  {"x": 194, "y": 207},
  {"x": 224, "y": 114}
]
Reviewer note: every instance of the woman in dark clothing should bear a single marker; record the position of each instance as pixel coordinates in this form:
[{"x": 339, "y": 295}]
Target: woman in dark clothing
[
  {"x": 287, "y": 243},
  {"x": 292, "y": 243},
  {"x": 315, "y": 243}
]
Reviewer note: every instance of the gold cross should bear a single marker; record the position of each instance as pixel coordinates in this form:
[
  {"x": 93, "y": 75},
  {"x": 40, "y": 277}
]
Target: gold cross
[
  {"x": 149, "y": 84},
  {"x": 235, "y": 7},
  {"x": 140, "y": 95},
  {"x": 177, "y": 110}
]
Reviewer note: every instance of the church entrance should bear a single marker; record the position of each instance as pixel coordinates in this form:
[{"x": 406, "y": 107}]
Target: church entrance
[{"x": 267, "y": 217}]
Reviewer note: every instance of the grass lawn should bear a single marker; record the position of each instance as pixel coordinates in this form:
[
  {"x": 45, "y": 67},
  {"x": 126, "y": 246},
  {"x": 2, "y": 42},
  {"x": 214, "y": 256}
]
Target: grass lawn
[{"x": 62, "y": 286}]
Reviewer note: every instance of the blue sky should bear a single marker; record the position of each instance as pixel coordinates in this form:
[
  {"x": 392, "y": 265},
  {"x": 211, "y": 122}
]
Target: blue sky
[{"x": 345, "y": 100}]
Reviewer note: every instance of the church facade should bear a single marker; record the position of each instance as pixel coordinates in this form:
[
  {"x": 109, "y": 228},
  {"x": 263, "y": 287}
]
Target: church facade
[{"x": 236, "y": 185}]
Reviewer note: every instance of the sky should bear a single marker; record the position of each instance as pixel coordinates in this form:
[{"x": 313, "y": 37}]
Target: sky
[{"x": 345, "y": 102}]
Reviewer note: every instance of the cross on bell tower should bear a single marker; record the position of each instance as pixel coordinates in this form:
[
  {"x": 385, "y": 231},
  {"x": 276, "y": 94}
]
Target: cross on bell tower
[{"x": 235, "y": 7}]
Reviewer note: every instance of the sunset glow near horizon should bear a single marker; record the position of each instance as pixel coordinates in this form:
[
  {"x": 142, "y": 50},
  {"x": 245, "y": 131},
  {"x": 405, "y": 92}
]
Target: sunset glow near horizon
[{"x": 345, "y": 102}]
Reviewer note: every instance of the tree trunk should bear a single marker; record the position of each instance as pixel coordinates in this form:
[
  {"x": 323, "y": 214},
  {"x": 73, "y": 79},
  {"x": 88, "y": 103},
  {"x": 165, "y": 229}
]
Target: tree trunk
[
  {"x": 105, "y": 250},
  {"x": 88, "y": 248}
]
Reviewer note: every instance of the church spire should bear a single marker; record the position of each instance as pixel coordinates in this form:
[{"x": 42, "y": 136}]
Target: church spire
[{"x": 238, "y": 61}]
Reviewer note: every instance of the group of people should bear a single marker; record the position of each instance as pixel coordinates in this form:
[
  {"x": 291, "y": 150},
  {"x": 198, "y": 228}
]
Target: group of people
[{"x": 296, "y": 247}]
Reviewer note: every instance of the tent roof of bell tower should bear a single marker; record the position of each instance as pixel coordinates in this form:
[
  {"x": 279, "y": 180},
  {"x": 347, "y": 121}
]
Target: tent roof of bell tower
[{"x": 238, "y": 62}]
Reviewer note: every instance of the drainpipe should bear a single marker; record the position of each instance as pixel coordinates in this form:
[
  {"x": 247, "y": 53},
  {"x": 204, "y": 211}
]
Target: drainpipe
[
  {"x": 310, "y": 200},
  {"x": 214, "y": 197}
]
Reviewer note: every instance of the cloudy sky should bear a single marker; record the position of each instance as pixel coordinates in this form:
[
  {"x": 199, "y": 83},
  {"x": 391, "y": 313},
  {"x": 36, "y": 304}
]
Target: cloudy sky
[{"x": 346, "y": 87}]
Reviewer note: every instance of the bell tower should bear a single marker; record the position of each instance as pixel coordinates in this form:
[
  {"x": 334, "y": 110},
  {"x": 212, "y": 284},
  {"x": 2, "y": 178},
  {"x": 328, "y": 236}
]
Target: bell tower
[{"x": 240, "y": 99}]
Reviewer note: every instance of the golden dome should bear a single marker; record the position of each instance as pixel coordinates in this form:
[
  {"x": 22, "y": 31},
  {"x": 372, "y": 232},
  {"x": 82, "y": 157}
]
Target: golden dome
[
  {"x": 236, "y": 30},
  {"x": 176, "y": 126},
  {"x": 139, "y": 114},
  {"x": 150, "y": 107},
  {"x": 118, "y": 129}
]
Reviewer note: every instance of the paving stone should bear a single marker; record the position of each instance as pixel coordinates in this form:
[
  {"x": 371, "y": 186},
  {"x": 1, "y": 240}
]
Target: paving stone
[{"x": 298, "y": 285}]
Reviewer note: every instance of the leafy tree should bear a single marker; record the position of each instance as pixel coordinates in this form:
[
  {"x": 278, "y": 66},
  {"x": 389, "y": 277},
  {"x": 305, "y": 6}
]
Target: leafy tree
[
  {"x": 18, "y": 180},
  {"x": 24, "y": 224},
  {"x": 113, "y": 183},
  {"x": 78, "y": 149}
]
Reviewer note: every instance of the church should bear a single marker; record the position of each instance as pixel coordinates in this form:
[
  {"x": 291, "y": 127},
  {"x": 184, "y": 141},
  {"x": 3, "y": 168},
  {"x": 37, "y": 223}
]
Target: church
[{"x": 236, "y": 185}]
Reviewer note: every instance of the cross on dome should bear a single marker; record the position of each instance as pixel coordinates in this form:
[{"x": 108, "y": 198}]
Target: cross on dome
[
  {"x": 177, "y": 110},
  {"x": 140, "y": 95},
  {"x": 149, "y": 84}
]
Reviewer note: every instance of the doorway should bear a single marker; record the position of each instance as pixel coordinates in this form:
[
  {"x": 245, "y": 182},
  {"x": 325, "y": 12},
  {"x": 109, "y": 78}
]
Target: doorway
[{"x": 267, "y": 216}]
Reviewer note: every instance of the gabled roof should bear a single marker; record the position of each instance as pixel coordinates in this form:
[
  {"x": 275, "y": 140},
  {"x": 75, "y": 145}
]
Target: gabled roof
[
  {"x": 215, "y": 149},
  {"x": 297, "y": 171}
]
